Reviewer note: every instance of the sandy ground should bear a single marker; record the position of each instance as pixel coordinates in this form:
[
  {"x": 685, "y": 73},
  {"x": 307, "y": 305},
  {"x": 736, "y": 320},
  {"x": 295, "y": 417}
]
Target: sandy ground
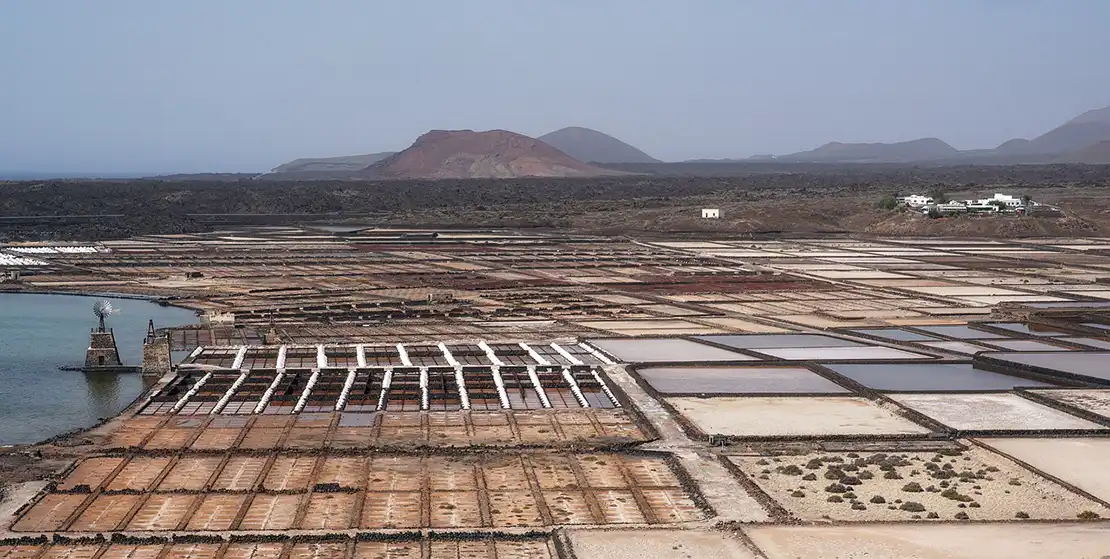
[
  {"x": 1080, "y": 461},
  {"x": 980, "y": 541},
  {"x": 18, "y": 466},
  {"x": 771, "y": 416},
  {"x": 986, "y": 487},
  {"x": 658, "y": 544},
  {"x": 973, "y": 412}
]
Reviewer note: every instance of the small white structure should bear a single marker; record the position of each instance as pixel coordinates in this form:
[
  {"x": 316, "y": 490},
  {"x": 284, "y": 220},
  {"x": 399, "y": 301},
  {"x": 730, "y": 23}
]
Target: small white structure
[
  {"x": 951, "y": 208},
  {"x": 916, "y": 200},
  {"x": 217, "y": 318},
  {"x": 711, "y": 213},
  {"x": 982, "y": 208},
  {"x": 1005, "y": 199}
]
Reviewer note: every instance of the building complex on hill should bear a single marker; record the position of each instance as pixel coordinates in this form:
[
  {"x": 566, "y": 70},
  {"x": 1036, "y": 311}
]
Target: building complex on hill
[{"x": 999, "y": 203}]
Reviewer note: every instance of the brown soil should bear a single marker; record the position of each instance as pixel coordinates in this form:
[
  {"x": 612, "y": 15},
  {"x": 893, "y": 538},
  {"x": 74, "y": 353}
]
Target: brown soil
[
  {"x": 18, "y": 466},
  {"x": 456, "y": 154},
  {"x": 1085, "y": 212},
  {"x": 968, "y": 226}
]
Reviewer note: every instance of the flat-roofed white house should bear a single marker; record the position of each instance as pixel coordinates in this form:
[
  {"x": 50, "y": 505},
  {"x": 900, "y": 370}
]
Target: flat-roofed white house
[
  {"x": 998, "y": 200},
  {"x": 917, "y": 200},
  {"x": 711, "y": 213},
  {"x": 1005, "y": 199}
]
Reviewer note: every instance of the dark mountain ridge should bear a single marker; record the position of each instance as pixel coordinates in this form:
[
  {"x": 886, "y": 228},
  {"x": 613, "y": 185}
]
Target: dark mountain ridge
[
  {"x": 329, "y": 164},
  {"x": 1076, "y": 141},
  {"x": 592, "y": 146},
  {"x": 924, "y": 149}
]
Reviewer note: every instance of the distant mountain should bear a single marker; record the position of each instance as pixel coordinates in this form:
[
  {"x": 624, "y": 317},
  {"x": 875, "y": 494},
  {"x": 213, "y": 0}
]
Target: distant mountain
[
  {"x": 1016, "y": 145},
  {"x": 1076, "y": 134},
  {"x": 592, "y": 146},
  {"x": 755, "y": 158},
  {"x": 331, "y": 164},
  {"x": 925, "y": 149},
  {"x": 1074, "y": 141},
  {"x": 456, "y": 154},
  {"x": 1095, "y": 154},
  {"x": 1078, "y": 140},
  {"x": 1101, "y": 116}
]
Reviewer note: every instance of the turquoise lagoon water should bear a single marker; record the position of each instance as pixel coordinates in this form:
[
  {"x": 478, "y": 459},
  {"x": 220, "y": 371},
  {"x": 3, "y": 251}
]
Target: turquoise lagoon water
[{"x": 38, "y": 334}]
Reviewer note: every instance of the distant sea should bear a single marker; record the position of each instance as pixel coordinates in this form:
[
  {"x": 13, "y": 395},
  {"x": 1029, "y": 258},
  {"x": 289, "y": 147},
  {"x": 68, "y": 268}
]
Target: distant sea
[
  {"x": 39, "y": 333},
  {"x": 46, "y": 175}
]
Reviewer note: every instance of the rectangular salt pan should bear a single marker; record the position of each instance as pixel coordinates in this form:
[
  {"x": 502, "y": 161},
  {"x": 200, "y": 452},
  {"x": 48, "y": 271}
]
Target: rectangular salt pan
[
  {"x": 1026, "y": 345},
  {"x": 930, "y": 377},
  {"x": 1076, "y": 305},
  {"x": 841, "y": 354},
  {"x": 957, "y": 347},
  {"x": 792, "y": 416},
  {"x": 991, "y": 412},
  {"x": 1026, "y": 329},
  {"x": 737, "y": 380},
  {"x": 762, "y": 341},
  {"x": 896, "y": 335},
  {"x": 1095, "y": 364},
  {"x": 1094, "y": 400},
  {"x": 662, "y": 350},
  {"x": 1079, "y": 461},
  {"x": 1089, "y": 342},
  {"x": 961, "y": 332}
]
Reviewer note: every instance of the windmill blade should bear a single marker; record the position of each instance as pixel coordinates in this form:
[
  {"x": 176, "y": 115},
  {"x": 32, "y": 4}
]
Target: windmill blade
[{"x": 103, "y": 308}]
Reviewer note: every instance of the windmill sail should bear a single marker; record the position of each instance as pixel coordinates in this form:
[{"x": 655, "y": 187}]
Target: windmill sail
[{"x": 103, "y": 309}]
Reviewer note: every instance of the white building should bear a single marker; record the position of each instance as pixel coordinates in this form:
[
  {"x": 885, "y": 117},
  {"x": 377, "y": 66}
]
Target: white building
[
  {"x": 982, "y": 208},
  {"x": 916, "y": 200},
  {"x": 711, "y": 213},
  {"x": 1005, "y": 200},
  {"x": 951, "y": 208}
]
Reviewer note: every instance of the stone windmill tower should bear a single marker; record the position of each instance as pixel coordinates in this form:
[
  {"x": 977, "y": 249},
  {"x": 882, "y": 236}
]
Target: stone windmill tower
[
  {"x": 102, "y": 353},
  {"x": 157, "y": 358}
]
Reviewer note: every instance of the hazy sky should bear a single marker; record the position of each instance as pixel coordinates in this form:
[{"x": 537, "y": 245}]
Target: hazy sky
[{"x": 244, "y": 85}]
